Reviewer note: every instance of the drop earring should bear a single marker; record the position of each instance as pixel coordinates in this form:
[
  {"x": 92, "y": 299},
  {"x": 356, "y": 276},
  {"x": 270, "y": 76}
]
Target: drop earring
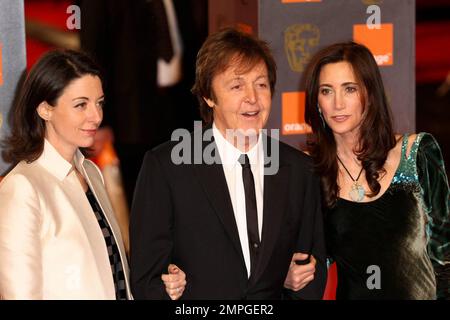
[{"x": 321, "y": 116}]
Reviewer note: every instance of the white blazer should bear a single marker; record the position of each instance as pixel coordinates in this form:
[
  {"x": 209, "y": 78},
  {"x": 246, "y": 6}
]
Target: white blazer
[{"x": 51, "y": 245}]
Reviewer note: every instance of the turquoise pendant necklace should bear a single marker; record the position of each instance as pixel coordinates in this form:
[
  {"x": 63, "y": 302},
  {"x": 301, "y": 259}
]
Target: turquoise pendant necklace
[{"x": 357, "y": 191}]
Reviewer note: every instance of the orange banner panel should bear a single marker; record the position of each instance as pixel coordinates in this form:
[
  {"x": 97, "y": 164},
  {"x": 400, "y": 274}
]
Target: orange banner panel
[
  {"x": 379, "y": 41},
  {"x": 293, "y": 113}
]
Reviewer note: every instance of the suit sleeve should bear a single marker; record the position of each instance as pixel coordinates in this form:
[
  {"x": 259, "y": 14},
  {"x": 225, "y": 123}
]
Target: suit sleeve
[
  {"x": 20, "y": 249},
  {"x": 311, "y": 239},
  {"x": 150, "y": 231}
]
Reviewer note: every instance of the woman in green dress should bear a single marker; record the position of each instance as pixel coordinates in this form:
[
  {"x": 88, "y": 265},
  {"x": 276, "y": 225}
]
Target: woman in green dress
[{"x": 385, "y": 196}]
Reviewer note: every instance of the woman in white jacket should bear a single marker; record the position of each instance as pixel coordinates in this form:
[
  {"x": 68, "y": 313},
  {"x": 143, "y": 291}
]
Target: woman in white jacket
[{"x": 59, "y": 238}]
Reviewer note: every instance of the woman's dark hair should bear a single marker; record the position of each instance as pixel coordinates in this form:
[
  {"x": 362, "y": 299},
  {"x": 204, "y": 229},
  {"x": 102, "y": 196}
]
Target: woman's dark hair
[
  {"x": 376, "y": 138},
  {"x": 46, "y": 81},
  {"x": 217, "y": 52}
]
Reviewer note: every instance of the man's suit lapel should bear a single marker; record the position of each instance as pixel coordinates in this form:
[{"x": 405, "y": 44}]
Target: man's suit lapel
[
  {"x": 275, "y": 201},
  {"x": 213, "y": 181}
]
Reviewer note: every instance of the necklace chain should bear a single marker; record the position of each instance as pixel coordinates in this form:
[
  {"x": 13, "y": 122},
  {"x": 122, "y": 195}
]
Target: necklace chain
[
  {"x": 357, "y": 192},
  {"x": 348, "y": 172}
]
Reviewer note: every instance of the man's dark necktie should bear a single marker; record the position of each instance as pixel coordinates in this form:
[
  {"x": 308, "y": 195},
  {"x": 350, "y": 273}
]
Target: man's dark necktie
[
  {"x": 163, "y": 39},
  {"x": 251, "y": 210}
]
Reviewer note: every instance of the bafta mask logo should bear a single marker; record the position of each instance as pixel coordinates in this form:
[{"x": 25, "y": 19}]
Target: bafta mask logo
[{"x": 299, "y": 42}]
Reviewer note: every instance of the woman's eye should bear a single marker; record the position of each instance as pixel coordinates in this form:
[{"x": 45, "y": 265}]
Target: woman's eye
[
  {"x": 101, "y": 104},
  {"x": 325, "y": 91},
  {"x": 236, "y": 87},
  {"x": 351, "y": 89},
  {"x": 80, "y": 105}
]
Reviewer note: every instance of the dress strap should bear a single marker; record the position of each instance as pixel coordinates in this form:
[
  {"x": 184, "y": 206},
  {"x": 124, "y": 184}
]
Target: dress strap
[
  {"x": 407, "y": 170},
  {"x": 415, "y": 147},
  {"x": 404, "y": 146}
]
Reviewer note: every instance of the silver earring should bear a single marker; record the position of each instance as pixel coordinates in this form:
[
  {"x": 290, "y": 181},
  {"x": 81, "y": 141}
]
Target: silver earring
[{"x": 321, "y": 116}]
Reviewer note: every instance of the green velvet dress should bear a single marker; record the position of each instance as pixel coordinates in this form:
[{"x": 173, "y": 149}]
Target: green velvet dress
[{"x": 397, "y": 246}]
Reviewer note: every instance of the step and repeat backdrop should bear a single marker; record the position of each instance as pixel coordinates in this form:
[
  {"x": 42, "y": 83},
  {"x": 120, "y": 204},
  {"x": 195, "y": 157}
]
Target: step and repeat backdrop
[
  {"x": 12, "y": 59},
  {"x": 296, "y": 29}
]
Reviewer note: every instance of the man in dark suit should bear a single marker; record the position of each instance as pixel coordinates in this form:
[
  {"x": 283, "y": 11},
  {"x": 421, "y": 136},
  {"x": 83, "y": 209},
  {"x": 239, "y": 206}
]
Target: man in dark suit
[{"x": 228, "y": 204}]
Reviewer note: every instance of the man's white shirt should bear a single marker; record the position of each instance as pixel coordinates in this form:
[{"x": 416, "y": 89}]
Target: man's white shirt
[{"x": 229, "y": 156}]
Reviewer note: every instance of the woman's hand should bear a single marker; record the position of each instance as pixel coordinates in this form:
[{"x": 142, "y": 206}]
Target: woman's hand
[
  {"x": 300, "y": 275},
  {"x": 175, "y": 282}
]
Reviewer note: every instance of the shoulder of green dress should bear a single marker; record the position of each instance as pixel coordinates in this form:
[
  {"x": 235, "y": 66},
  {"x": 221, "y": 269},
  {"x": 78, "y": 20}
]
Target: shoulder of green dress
[
  {"x": 429, "y": 148},
  {"x": 423, "y": 147},
  {"x": 427, "y": 139},
  {"x": 423, "y": 142},
  {"x": 430, "y": 163}
]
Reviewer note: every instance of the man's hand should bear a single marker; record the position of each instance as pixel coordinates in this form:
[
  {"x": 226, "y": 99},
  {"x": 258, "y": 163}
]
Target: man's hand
[
  {"x": 300, "y": 275},
  {"x": 175, "y": 282}
]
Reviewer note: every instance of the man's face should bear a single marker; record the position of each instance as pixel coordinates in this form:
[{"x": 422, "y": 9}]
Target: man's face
[{"x": 242, "y": 99}]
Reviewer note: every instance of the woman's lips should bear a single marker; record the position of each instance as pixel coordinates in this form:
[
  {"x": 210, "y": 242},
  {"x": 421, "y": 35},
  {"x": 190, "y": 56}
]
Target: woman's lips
[
  {"x": 340, "y": 118},
  {"x": 89, "y": 132}
]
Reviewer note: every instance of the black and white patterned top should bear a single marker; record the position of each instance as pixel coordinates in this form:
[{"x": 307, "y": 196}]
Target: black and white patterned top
[{"x": 113, "y": 250}]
